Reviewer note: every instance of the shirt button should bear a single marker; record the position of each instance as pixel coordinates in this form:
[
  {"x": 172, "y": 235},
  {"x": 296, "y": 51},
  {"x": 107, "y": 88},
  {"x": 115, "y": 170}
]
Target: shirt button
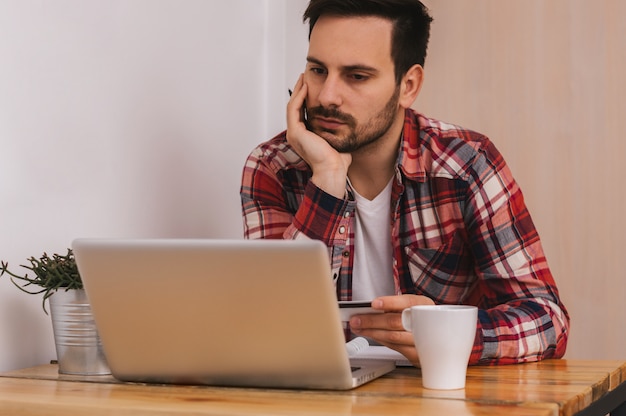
[
  {"x": 346, "y": 214},
  {"x": 346, "y": 253},
  {"x": 342, "y": 229}
]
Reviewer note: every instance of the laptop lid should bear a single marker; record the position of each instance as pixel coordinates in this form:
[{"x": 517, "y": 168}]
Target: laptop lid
[{"x": 259, "y": 313}]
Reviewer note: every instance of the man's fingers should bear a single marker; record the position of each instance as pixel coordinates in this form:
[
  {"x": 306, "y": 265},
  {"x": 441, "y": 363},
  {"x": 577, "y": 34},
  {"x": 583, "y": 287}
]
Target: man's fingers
[
  {"x": 384, "y": 321},
  {"x": 386, "y": 329},
  {"x": 295, "y": 106},
  {"x": 400, "y": 303}
]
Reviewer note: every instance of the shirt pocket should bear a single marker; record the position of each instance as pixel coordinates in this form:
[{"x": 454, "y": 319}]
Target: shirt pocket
[{"x": 444, "y": 274}]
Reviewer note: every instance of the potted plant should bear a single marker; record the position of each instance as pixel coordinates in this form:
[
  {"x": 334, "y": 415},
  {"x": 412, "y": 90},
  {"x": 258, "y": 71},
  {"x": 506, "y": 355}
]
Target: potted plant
[{"x": 78, "y": 346}]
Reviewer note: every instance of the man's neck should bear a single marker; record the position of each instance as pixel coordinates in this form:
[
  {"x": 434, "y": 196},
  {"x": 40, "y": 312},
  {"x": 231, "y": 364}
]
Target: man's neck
[{"x": 373, "y": 166}]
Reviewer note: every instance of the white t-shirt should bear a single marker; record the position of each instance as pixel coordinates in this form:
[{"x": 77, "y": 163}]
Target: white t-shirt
[{"x": 372, "y": 274}]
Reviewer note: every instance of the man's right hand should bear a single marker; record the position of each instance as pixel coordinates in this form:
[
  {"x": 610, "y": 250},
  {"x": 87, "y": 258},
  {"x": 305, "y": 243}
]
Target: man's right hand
[{"x": 330, "y": 168}]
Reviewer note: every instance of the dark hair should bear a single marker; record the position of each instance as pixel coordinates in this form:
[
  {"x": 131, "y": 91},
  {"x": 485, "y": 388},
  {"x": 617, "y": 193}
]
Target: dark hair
[{"x": 410, "y": 19}]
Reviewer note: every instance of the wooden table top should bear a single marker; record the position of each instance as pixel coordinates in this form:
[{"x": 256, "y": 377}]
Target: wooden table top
[{"x": 551, "y": 387}]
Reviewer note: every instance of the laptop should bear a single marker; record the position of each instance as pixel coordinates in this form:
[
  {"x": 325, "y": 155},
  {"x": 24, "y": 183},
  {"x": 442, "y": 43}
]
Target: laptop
[{"x": 253, "y": 313}]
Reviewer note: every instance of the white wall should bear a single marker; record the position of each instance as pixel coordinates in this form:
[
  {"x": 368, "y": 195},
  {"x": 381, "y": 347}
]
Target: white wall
[{"x": 129, "y": 118}]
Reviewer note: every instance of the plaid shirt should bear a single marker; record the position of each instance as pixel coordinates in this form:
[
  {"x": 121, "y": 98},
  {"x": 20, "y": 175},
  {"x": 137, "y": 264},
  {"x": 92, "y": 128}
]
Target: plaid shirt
[{"x": 460, "y": 230}]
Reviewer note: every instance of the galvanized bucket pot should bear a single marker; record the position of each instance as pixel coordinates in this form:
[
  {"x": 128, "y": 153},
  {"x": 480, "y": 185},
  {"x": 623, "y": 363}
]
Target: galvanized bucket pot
[{"x": 78, "y": 346}]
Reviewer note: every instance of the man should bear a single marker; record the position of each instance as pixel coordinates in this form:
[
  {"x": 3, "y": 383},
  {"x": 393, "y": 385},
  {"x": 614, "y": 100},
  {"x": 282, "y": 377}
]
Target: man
[{"x": 413, "y": 210}]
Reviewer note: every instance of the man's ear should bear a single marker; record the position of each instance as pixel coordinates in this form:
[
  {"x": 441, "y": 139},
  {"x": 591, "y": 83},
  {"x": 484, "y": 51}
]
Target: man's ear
[{"x": 411, "y": 85}]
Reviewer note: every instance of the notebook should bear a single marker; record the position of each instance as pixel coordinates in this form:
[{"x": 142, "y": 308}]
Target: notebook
[{"x": 254, "y": 313}]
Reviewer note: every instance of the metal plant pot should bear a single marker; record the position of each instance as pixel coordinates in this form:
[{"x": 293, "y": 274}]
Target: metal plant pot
[{"x": 78, "y": 346}]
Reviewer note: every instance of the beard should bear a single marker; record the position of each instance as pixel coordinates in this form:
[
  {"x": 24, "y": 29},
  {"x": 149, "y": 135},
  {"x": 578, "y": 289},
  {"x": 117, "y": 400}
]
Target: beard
[{"x": 360, "y": 134}]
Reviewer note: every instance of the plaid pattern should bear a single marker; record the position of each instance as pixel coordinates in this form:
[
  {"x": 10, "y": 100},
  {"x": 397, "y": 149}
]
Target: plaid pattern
[{"x": 461, "y": 233}]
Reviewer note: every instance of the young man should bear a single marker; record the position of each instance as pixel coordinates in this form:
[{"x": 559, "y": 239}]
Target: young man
[{"x": 413, "y": 210}]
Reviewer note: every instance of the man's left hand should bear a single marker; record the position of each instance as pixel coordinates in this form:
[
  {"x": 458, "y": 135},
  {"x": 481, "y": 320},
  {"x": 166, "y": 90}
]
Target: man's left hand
[{"x": 386, "y": 328}]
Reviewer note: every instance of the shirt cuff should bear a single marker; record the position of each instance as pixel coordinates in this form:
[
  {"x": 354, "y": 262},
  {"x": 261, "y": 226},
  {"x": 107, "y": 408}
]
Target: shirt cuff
[{"x": 322, "y": 216}]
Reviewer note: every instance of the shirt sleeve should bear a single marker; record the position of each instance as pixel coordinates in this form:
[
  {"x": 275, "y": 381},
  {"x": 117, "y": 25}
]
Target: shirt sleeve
[
  {"x": 521, "y": 316},
  {"x": 286, "y": 205}
]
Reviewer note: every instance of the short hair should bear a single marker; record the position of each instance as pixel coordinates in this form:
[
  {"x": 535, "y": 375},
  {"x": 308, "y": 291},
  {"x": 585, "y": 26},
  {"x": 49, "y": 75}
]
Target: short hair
[{"x": 410, "y": 18}]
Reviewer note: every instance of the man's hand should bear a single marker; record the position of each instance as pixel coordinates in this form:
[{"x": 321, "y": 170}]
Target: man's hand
[
  {"x": 386, "y": 328},
  {"x": 330, "y": 168}
]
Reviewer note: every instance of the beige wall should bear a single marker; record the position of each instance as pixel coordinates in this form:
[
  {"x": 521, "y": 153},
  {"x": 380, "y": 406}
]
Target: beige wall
[{"x": 544, "y": 80}]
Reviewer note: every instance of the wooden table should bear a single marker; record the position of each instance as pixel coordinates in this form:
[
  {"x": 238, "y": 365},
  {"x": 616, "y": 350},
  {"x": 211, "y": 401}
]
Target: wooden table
[{"x": 552, "y": 387}]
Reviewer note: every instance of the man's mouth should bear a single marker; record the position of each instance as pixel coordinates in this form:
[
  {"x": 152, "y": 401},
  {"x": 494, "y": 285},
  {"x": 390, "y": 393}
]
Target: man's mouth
[{"x": 327, "y": 123}]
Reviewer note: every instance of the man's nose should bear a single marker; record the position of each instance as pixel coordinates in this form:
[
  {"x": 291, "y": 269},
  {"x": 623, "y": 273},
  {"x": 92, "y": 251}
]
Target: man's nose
[{"x": 330, "y": 94}]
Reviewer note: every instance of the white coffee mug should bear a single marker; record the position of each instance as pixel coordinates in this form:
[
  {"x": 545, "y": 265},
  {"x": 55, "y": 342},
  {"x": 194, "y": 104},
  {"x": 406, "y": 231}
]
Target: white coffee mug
[{"x": 443, "y": 336}]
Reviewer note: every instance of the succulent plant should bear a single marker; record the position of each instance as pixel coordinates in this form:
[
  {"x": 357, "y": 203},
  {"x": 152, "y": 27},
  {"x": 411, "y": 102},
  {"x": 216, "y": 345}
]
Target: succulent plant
[{"x": 48, "y": 273}]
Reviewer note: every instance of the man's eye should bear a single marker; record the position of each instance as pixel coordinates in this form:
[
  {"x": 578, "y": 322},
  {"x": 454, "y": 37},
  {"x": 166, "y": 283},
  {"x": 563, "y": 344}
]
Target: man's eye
[
  {"x": 359, "y": 77},
  {"x": 319, "y": 71}
]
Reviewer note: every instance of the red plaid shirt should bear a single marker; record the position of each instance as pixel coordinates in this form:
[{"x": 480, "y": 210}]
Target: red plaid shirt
[{"x": 460, "y": 230}]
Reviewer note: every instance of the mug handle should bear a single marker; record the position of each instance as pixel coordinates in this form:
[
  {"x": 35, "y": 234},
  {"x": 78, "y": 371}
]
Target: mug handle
[{"x": 406, "y": 319}]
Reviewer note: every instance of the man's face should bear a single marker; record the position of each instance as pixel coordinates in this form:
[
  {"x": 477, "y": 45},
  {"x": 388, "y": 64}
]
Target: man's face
[{"x": 352, "y": 95}]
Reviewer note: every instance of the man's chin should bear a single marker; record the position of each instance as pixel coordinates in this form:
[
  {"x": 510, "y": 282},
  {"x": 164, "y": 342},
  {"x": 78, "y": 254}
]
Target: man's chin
[{"x": 334, "y": 141}]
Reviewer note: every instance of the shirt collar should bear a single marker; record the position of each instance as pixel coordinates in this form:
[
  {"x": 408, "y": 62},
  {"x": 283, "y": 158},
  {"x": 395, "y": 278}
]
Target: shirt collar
[{"x": 410, "y": 160}]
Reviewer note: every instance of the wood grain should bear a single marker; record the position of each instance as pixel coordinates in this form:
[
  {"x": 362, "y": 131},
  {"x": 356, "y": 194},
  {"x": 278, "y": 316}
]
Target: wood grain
[
  {"x": 47, "y": 397},
  {"x": 551, "y": 387}
]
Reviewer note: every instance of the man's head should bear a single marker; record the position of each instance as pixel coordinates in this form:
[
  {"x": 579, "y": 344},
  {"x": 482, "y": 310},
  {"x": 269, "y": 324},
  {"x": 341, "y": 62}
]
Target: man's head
[
  {"x": 410, "y": 20},
  {"x": 363, "y": 69}
]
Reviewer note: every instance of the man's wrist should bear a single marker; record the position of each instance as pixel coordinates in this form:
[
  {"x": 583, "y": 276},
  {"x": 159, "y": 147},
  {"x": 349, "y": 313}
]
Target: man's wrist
[{"x": 333, "y": 183}]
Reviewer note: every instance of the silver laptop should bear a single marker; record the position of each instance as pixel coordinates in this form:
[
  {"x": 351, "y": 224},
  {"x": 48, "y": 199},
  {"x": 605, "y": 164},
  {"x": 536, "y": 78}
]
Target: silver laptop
[{"x": 256, "y": 313}]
